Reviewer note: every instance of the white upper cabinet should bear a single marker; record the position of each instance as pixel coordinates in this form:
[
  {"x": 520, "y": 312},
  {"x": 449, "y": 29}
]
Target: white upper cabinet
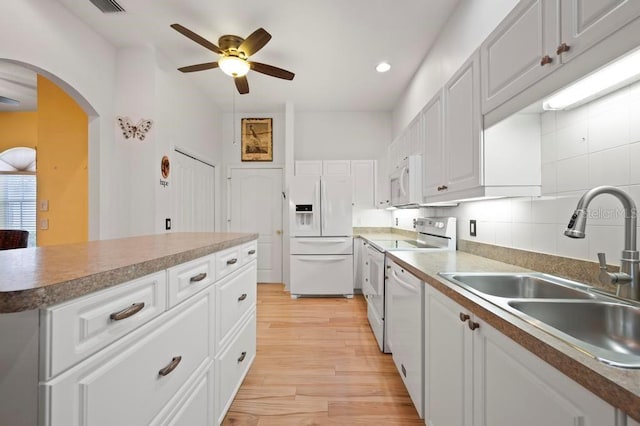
[
  {"x": 363, "y": 179},
  {"x": 308, "y": 168},
  {"x": 539, "y": 36},
  {"x": 433, "y": 148},
  {"x": 336, "y": 168},
  {"x": 520, "y": 51},
  {"x": 383, "y": 191},
  {"x": 462, "y": 128},
  {"x": 586, "y": 22}
]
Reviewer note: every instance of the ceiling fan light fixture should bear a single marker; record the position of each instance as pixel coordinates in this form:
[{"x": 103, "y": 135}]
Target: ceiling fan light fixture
[
  {"x": 233, "y": 66},
  {"x": 383, "y": 67}
]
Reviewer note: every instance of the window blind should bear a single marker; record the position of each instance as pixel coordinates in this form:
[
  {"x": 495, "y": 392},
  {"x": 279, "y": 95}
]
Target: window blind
[{"x": 18, "y": 203}]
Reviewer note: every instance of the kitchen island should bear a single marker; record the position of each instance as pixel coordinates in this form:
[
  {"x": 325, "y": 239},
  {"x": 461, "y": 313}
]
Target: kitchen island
[
  {"x": 152, "y": 329},
  {"x": 617, "y": 387}
]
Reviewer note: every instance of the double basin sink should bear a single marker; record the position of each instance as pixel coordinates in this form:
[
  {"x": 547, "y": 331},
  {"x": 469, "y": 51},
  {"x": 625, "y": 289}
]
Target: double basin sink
[{"x": 602, "y": 326}]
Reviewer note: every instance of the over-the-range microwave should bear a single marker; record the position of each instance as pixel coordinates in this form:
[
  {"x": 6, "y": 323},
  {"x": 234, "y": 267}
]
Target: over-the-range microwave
[{"x": 405, "y": 183}]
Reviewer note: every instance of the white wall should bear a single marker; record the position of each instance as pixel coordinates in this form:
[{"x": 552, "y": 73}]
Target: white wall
[
  {"x": 341, "y": 135},
  {"x": 592, "y": 145},
  {"x": 469, "y": 25},
  {"x": 106, "y": 82}
]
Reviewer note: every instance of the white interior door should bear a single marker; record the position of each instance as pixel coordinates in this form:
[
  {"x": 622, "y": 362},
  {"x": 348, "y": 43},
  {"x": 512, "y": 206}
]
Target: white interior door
[
  {"x": 193, "y": 186},
  {"x": 255, "y": 205}
]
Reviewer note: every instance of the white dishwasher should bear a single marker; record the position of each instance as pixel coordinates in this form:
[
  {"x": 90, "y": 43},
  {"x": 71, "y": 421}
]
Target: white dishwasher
[{"x": 406, "y": 321}]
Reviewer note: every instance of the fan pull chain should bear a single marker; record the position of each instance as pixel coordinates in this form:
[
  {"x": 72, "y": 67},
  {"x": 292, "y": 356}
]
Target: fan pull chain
[{"x": 234, "y": 117}]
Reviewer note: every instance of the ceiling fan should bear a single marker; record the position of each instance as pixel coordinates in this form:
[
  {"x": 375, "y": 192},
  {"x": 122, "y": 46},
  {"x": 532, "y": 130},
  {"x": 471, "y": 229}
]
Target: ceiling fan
[{"x": 234, "y": 54}]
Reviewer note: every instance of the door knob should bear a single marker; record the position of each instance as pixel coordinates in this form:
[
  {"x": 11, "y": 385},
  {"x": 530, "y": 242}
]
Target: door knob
[{"x": 278, "y": 232}]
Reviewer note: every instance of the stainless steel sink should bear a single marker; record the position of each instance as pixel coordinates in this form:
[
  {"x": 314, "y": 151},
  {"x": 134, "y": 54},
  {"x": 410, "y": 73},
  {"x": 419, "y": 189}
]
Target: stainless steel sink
[
  {"x": 603, "y": 326},
  {"x": 519, "y": 286},
  {"x": 609, "y": 331}
]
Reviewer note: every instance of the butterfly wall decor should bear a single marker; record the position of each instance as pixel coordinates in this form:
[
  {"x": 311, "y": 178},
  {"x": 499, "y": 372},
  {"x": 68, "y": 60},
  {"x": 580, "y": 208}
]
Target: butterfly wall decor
[{"x": 138, "y": 131}]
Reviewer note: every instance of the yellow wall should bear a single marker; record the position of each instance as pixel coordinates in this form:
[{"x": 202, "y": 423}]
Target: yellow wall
[
  {"x": 18, "y": 129},
  {"x": 62, "y": 156}
]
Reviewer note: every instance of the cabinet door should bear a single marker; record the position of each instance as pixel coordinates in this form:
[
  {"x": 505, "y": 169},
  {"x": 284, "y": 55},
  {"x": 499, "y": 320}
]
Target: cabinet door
[
  {"x": 382, "y": 182},
  {"x": 433, "y": 151},
  {"x": 519, "y": 52},
  {"x": 448, "y": 361},
  {"x": 631, "y": 422},
  {"x": 513, "y": 386},
  {"x": 362, "y": 181},
  {"x": 336, "y": 168},
  {"x": 309, "y": 168},
  {"x": 586, "y": 22},
  {"x": 414, "y": 136},
  {"x": 463, "y": 127}
]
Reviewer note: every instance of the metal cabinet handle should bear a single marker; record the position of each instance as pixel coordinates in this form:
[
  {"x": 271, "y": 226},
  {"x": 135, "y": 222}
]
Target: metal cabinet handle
[
  {"x": 464, "y": 317},
  {"x": 171, "y": 366},
  {"x": 127, "y": 312},
  {"x": 473, "y": 325},
  {"x": 564, "y": 47},
  {"x": 201, "y": 276},
  {"x": 252, "y": 251},
  {"x": 242, "y": 297},
  {"x": 232, "y": 261},
  {"x": 443, "y": 188},
  {"x": 243, "y": 355},
  {"x": 546, "y": 59}
]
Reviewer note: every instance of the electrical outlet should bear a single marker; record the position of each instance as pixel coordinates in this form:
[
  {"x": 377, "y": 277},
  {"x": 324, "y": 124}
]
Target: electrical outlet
[
  {"x": 396, "y": 221},
  {"x": 472, "y": 228},
  {"x": 44, "y": 205},
  {"x": 167, "y": 224}
]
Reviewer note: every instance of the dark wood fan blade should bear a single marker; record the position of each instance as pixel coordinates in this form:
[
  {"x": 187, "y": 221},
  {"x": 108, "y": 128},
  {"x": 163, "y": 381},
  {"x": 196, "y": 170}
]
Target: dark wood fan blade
[
  {"x": 255, "y": 41},
  {"x": 199, "y": 67},
  {"x": 242, "y": 85},
  {"x": 195, "y": 37},
  {"x": 272, "y": 71}
]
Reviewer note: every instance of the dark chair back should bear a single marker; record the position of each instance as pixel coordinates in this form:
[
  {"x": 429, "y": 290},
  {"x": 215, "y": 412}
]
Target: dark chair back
[{"x": 13, "y": 239}]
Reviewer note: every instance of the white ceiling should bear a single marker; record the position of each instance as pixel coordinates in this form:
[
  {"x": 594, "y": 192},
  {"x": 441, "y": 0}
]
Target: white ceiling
[
  {"x": 332, "y": 46},
  {"x": 18, "y": 83}
]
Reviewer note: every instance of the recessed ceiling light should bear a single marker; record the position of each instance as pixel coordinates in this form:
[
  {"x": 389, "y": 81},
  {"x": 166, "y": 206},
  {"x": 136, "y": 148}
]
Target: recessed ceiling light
[{"x": 383, "y": 67}]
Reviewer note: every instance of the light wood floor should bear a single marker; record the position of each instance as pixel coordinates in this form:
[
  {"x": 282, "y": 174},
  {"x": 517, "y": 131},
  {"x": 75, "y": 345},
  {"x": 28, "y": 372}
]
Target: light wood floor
[{"x": 318, "y": 363}]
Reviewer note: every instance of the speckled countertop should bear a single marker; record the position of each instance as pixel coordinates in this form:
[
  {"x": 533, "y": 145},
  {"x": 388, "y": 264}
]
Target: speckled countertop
[
  {"x": 619, "y": 387},
  {"x": 37, "y": 277}
]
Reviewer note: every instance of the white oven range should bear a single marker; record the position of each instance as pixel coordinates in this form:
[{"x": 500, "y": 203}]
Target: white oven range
[{"x": 433, "y": 234}]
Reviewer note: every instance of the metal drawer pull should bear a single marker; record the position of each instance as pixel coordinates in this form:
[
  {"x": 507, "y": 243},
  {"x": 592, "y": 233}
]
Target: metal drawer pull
[
  {"x": 243, "y": 355},
  {"x": 252, "y": 251},
  {"x": 201, "y": 276},
  {"x": 127, "y": 312},
  {"x": 232, "y": 261},
  {"x": 464, "y": 317},
  {"x": 473, "y": 325},
  {"x": 242, "y": 297},
  {"x": 172, "y": 366}
]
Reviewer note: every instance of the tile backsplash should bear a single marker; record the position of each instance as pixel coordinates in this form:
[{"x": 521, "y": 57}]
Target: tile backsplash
[{"x": 594, "y": 144}]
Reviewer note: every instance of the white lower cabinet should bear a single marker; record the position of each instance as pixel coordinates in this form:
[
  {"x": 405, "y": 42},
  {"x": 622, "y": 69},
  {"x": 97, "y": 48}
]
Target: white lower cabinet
[
  {"x": 134, "y": 379},
  {"x": 406, "y": 330},
  {"x": 477, "y": 376},
  {"x": 232, "y": 364},
  {"x": 171, "y": 348}
]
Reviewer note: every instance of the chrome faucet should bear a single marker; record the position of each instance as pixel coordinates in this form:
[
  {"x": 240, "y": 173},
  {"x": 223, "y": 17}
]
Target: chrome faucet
[{"x": 629, "y": 273}]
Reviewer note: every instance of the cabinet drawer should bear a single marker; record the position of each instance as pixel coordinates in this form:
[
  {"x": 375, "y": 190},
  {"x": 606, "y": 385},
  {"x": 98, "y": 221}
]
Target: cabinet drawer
[
  {"x": 194, "y": 407},
  {"x": 249, "y": 251},
  {"x": 124, "y": 385},
  {"x": 76, "y": 329},
  {"x": 189, "y": 278},
  {"x": 232, "y": 365},
  {"x": 228, "y": 261},
  {"x": 235, "y": 296}
]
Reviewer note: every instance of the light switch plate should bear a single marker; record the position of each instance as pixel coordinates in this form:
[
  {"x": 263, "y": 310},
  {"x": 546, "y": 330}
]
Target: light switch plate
[
  {"x": 44, "y": 224},
  {"x": 44, "y": 205},
  {"x": 472, "y": 227}
]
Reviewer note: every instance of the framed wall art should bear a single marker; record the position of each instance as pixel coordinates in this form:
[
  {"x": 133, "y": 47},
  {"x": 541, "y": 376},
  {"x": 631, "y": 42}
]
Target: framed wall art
[{"x": 257, "y": 139}]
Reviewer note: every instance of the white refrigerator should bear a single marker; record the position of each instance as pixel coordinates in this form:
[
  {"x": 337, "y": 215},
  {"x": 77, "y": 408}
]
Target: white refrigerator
[{"x": 321, "y": 231}]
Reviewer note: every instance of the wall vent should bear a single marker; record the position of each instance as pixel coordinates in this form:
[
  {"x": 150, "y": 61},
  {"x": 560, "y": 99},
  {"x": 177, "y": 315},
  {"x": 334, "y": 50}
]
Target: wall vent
[{"x": 108, "y": 6}]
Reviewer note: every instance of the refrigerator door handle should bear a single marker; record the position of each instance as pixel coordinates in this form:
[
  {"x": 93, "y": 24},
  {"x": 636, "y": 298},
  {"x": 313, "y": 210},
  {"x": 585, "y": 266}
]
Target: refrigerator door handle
[
  {"x": 323, "y": 203},
  {"x": 322, "y": 240}
]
